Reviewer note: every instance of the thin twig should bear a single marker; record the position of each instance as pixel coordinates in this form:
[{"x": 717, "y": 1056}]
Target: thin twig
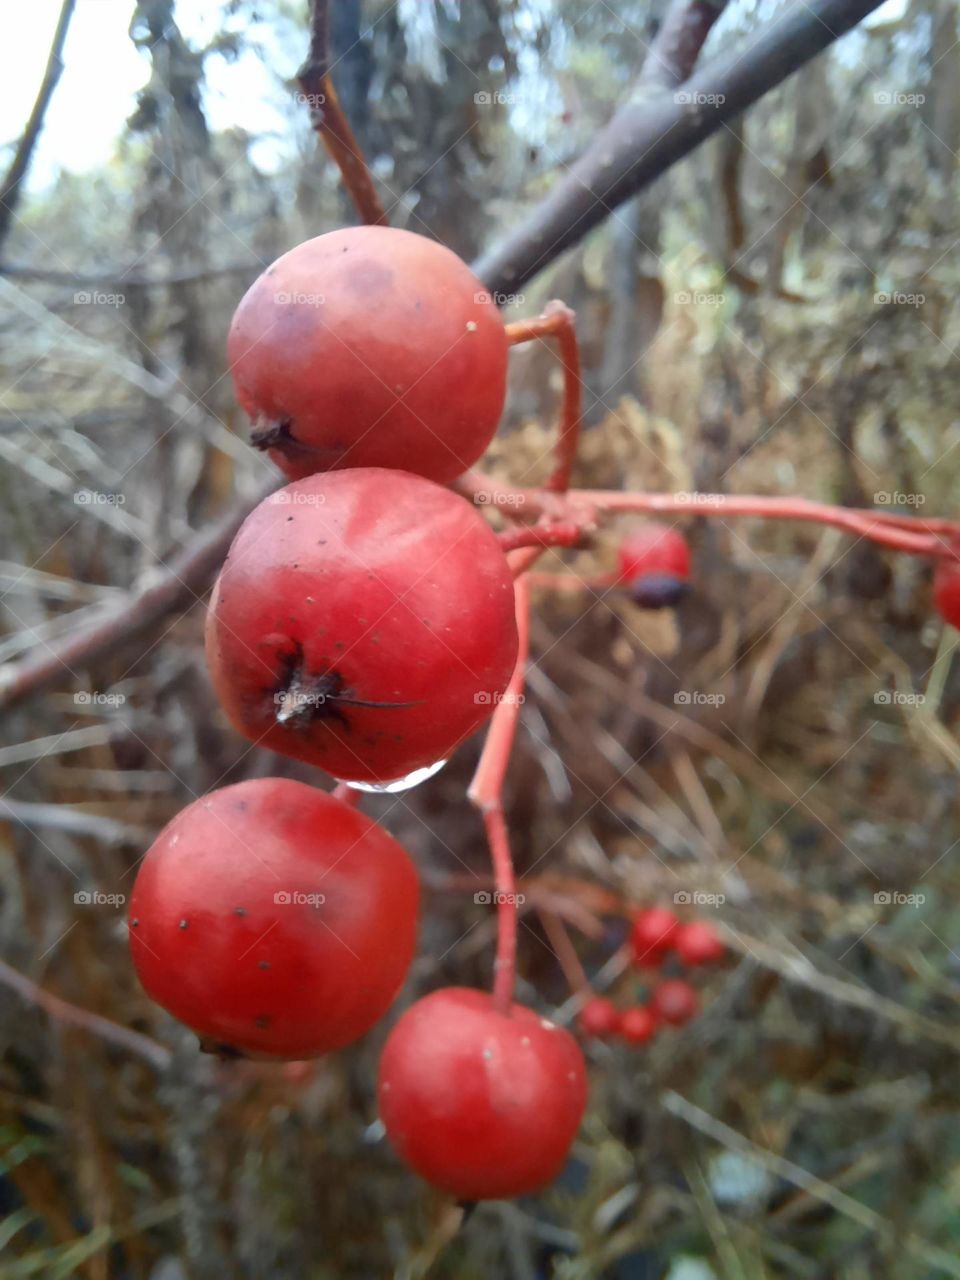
[{"x": 330, "y": 122}]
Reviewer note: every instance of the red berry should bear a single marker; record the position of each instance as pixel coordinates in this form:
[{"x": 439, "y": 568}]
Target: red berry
[
  {"x": 674, "y": 1001},
  {"x": 651, "y": 935},
  {"x": 599, "y": 1017},
  {"x": 698, "y": 943},
  {"x": 370, "y": 347},
  {"x": 363, "y": 622},
  {"x": 638, "y": 1024},
  {"x": 274, "y": 919},
  {"x": 946, "y": 589},
  {"x": 655, "y": 561},
  {"x": 482, "y": 1104}
]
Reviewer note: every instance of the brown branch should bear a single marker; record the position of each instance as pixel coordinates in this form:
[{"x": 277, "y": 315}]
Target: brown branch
[
  {"x": 329, "y": 119},
  {"x": 675, "y": 48},
  {"x": 12, "y": 183},
  {"x": 118, "y": 275},
  {"x": 646, "y": 136},
  {"x": 73, "y": 1016},
  {"x": 180, "y": 584}
]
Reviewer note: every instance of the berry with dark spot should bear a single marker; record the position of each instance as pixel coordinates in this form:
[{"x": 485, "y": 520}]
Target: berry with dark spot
[{"x": 323, "y": 943}]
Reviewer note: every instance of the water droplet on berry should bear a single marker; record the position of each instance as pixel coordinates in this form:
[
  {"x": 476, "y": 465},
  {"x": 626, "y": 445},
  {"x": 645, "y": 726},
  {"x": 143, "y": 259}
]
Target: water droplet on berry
[{"x": 399, "y": 784}]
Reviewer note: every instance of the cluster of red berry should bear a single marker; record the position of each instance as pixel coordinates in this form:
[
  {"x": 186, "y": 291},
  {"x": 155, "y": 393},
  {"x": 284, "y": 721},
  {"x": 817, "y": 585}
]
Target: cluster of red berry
[
  {"x": 363, "y": 622},
  {"x": 655, "y": 934}
]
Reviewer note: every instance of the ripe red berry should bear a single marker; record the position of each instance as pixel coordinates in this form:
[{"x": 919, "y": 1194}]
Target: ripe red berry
[
  {"x": 482, "y": 1104},
  {"x": 638, "y": 1024},
  {"x": 654, "y": 560},
  {"x": 273, "y": 919},
  {"x": 363, "y": 622},
  {"x": 674, "y": 1001},
  {"x": 370, "y": 347},
  {"x": 698, "y": 943},
  {"x": 651, "y": 935},
  {"x": 599, "y": 1017},
  {"x": 946, "y": 589}
]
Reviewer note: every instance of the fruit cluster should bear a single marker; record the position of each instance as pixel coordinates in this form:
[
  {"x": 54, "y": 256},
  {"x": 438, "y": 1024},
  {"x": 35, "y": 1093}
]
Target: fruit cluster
[
  {"x": 363, "y": 622},
  {"x": 656, "y": 933}
]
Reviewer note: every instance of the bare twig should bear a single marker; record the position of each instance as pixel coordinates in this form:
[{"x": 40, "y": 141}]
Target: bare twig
[
  {"x": 71, "y": 1015},
  {"x": 330, "y": 121},
  {"x": 178, "y": 584},
  {"x": 645, "y": 137},
  {"x": 20, "y": 164}
]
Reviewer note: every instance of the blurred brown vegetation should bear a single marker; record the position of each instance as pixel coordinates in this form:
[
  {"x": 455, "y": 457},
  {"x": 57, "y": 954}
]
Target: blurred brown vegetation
[{"x": 786, "y": 740}]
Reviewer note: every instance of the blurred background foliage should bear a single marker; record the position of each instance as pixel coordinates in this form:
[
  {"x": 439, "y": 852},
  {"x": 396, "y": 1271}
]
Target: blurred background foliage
[{"x": 777, "y": 315}]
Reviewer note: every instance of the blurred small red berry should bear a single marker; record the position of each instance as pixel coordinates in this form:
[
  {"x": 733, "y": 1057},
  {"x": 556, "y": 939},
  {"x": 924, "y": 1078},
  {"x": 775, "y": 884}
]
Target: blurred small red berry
[
  {"x": 654, "y": 563},
  {"x": 600, "y": 1018},
  {"x": 946, "y": 590},
  {"x": 698, "y": 943},
  {"x": 651, "y": 935},
  {"x": 675, "y": 1001},
  {"x": 638, "y": 1024}
]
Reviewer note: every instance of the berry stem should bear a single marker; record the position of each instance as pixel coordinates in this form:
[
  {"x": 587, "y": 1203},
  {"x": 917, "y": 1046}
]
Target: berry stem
[
  {"x": 557, "y": 321},
  {"x": 486, "y": 793}
]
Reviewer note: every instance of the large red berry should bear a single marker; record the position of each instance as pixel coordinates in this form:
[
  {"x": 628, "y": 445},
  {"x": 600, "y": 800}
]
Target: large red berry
[
  {"x": 654, "y": 560},
  {"x": 638, "y": 1024},
  {"x": 363, "y": 622},
  {"x": 674, "y": 1001},
  {"x": 482, "y": 1104},
  {"x": 370, "y": 347},
  {"x": 698, "y": 943},
  {"x": 599, "y": 1017},
  {"x": 946, "y": 589},
  {"x": 273, "y": 919},
  {"x": 651, "y": 935}
]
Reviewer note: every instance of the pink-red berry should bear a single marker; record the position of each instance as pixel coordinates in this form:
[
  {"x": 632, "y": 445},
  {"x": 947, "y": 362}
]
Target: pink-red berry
[
  {"x": 638, "y": 1024},
  {"x": 482, "y": 1104},
  {"x": 363, "y": 622},
  {"x": 698, "y": 943},
  {"x": 273, "y": 919},
  {"x": 370, "y": 347},
  {"x": 946, "y": 589},
  {"x": 654, "y": 565},
  {"x": 651, "y": 935},
  {"x": 599, "y": 1018},
  {"x": 674, "y": 1001}
]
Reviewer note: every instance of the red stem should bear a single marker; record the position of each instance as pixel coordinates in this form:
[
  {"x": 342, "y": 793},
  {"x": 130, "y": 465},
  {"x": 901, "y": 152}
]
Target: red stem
[
  {"x": 486, "y": 792},
  {"x": 557, "y": 321}
]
